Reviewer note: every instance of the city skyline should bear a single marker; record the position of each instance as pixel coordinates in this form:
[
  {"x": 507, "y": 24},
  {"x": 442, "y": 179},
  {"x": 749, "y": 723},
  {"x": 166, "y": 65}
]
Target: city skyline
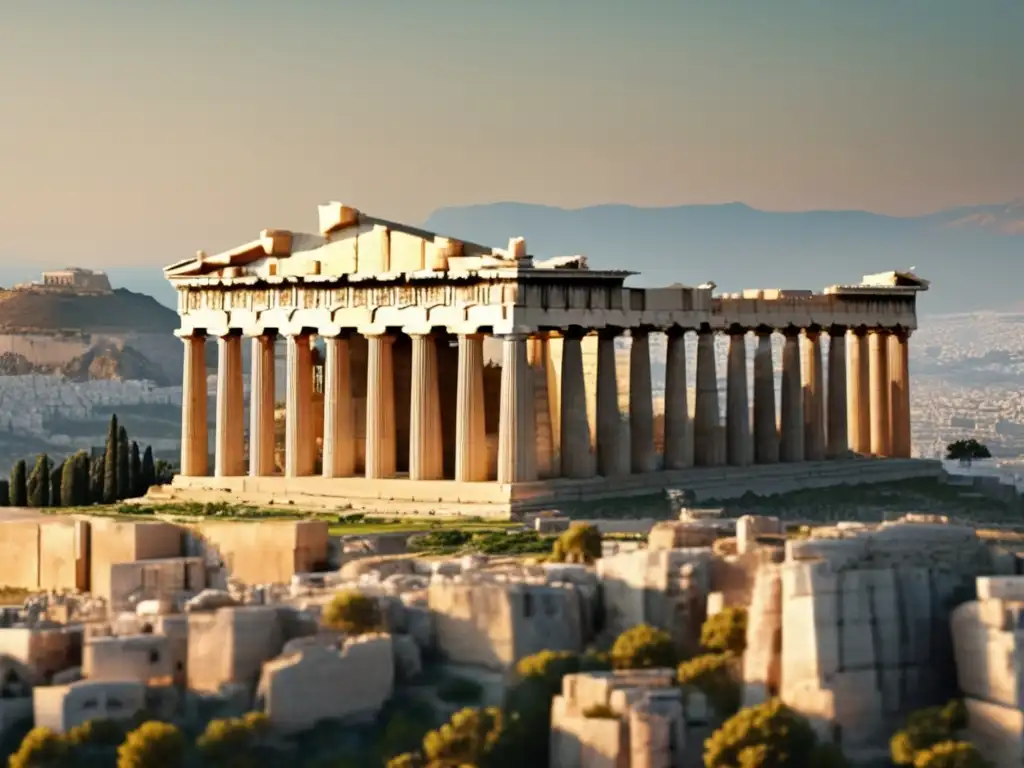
[{"x": 138, "y": 133}]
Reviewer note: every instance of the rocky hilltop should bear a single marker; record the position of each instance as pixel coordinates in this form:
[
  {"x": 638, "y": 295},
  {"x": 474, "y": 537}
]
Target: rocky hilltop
[{"x": 32, "y": 310}]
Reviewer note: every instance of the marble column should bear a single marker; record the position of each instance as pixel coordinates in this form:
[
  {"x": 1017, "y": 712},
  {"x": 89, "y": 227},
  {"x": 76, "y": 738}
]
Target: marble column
[
  {"x": 836, "y": 402},
  {"x": 381, "y": 438},
  {"x": 706, "y": 422},
  {"x": 517, "y": 443},
  {"x": 575, "y": 427},
  {"x": 881, "y": 434},
  {"x": 641, "y": 405},
  {"x": 678, "y": 453},
  {"x": 470, "y": 427},
  {"x": 737, "y": 405},
  {"x": 791, "y": 437},
  {"x": 608, "y": 419},
  {"x": 339, "y": 420},
  {"x": 813, "y": 379},
  {"x": 426, "y": 449},
  {"x": 261, "y": 406},
  {"x": 229, "y": 460},
  {"x": 899, "y": 392},
  {"x": 195, "y": 446},
  {"x": 858, "y": 388},
  {"x": 299, "y": 459},
  {"x": 766, "y": 429}
]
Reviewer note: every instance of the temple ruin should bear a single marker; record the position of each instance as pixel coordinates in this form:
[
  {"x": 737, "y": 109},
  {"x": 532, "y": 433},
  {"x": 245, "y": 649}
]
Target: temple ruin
[{"x": 403, "y": 315}]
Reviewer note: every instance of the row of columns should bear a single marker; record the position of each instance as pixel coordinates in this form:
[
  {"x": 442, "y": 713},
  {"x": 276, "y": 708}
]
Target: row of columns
[{"x": 866, "y": 409}]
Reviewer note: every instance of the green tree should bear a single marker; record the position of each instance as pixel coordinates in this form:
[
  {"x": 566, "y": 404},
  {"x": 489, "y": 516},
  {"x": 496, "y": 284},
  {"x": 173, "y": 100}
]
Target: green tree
[
  {"x": 951, "y": 754},
  {"x": 135, "y": 471},
  {"x": 716, "y": 676},
  {"x": 164, "y": 472},
  {"x": 926, "y": 728},
  {"x": 581, "y": 543},
  {"x": 472, "y": 737},
  {"x": 768, "y": 735},
  {"x": 352, "y": 612},
  {"x": 152, "y": 745},
  {"x": 69, "y": 490},
  {"x": 97, "y": 733},
  {"x": 5, "y": 493},
  {"x": 148, "y": 470},
  {"x": 124, "y": 464},
  {"x": 235, "y": 742},
  {"x": 643, "y": 647},
  {"x": 41, "y": 748},
  {"x": 56, "y": 475},
  {"x": 19, "y": 484},
  {"x": 39, "y": 483},
  {"x": 97, "y": 479},
  {"x": 725, "y": 631},
  {"x": 110, "y": 464},
  {"x": 967, "y": 450}
]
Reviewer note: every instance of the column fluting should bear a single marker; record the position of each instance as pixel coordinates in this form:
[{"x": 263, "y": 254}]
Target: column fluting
[
  {"x": 261, "y": 406},
  {"x": 737, "y": 407},
  {"x": 517, "y": 442},
  {"x": 381, "y": 439},
  {"x": 299, "y": 459},
  {"x": 195, "y": 446},
  {"x": 608, "y": 417},
  {"x": 339, "y": 454},
  {"x": 837, "y": 400},
  {"x": 858, "y": 389},
  {"x": 706, "y": 419},
  {"x": 766, "y": 429},
  {"x": 426, "y": 450},
  {"x": 470, "y": 426},
  {"x": 881, "y": 424},
  {"x": 575, "y": 428},
  {"x": 229, "y": 460},
  {"x": 641, "y": 405},
  {"x": 812, "y": 376},
  {"x": 791, "y": 438}
]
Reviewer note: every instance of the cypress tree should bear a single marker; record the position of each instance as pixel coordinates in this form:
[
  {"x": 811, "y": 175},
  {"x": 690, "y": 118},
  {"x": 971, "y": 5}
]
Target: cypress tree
[
  {"x": 83, "y": 478},
  {"x": 5, "y": 493},
  {"x": 110, "y": 464},
  {"x": 56, "y": 484},
  {"x": 124, "y": 463},
  {"x": 39, "y": 483},
  {"x": 135, "y": 472},
  {"x": 70, "y": 491},
  {"x": 19, "y": 484},
  {"x": 148, "y": 470},
  {"x": 97, "y": 479}
]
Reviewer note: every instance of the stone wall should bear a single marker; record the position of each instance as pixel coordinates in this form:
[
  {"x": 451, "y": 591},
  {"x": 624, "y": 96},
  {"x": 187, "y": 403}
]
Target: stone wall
[
  {"x": 267, "y": 552},
  {"x": 47, "y": 554}
]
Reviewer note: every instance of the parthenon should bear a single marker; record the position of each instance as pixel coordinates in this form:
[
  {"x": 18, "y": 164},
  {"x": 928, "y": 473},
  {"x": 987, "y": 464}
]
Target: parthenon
[{"x": 403, "y": 315}]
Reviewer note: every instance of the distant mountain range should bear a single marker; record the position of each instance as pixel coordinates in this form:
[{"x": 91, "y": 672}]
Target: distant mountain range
[{"x": 974, "y": 256}]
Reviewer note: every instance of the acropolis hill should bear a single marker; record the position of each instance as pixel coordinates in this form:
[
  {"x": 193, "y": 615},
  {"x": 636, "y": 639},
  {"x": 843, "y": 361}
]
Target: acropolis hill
[{"x": 408, "y": 424}]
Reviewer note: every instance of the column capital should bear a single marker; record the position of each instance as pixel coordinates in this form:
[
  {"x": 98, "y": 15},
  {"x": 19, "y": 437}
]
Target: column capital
[
  {"x": 515, "y": 336},
  {"x": 228, "y": 333},
  {"x": 675, "y": 331},
  {"x": 642, "y": 330},
  {"x": 837, "y": 330},
  {"x": 574, "y": 333},
  {"x": 609, "y": 332},
  {"x": 812, "y": 332},
  {"x": 903, "y": 334},
  {"x": 764, "y": 330},
  {"x": 791, "y": 332},
  {"x": 736, "y": 330},
  {"x": 706, "y": 330},
  {"x": 190, "y": 334},
  {"x": 418, "y": 330}
]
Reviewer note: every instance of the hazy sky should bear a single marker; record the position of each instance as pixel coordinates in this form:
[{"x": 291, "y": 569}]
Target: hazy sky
[{"x": 139, "y": 131}]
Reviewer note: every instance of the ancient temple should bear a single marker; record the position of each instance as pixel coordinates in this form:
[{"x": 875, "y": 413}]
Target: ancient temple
[{"x": 403, "y": 315}]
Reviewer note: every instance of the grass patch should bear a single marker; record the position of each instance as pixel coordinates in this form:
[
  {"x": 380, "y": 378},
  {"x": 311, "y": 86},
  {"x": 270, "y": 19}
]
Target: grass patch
[{"x": 456, "y": 541}]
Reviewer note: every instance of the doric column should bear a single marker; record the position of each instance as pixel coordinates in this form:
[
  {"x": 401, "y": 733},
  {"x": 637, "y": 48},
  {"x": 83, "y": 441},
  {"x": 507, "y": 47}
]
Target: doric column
[
  {"x": 899, "y": 392},
  {"x": 426, "y": 450},
  {"x": 608, "y": 420},
  {"x": 517, "y": 443},
  {"x": 791, "y": 439},
  {"x": 858, "y": 388},
  {"x": 470, "y": 427},
  {"x": 229, "y": 460},
  {"x": 814, "y": 396},
  {"x": 261, "y": 406},
  {"x": 766, "y": 429},
  {"x": 838, "y": 435},
  {"x": 705, "y": 417},
  {"x": 641, "y": 406},
  {"x": 737, "y": 407},
  {"x": 298, "y": 420},
  {"x": 195, "y": 450},
  {"x": 678, "y": 453},
  {"x": 575, "y": 428},
  {"x": 339, "y": 419},
  {"x": 881, "y": 426},
  {"x": 381, "y": 440}
]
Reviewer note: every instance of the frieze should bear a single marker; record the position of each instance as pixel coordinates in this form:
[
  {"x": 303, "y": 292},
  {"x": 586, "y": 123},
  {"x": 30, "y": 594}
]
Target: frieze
[{"x": 284, "y": 297}]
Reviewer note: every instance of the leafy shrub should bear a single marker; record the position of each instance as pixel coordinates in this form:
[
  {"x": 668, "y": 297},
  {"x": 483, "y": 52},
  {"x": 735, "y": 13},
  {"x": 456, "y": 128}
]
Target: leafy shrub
[
  {"x": 643, "y": 647},
  {"x": 926, "y": 728},
  {"x": 99, "y": 733},
  {"x": 581, "y": 543},
  {"x": 460, "y": 690},
  {"x": 473, "y": 737},
  {"x": 152, "y": 745},
  {"x": 41, "y": 748},
  {"x": 714, "y": 675},
  {"x": 725, "y": 631},
  {"x": 438, "y": 540},
  {"x": 233, "y": 742},
  {"x": 770, "y": 734},
  {"x": 951, "y": 754},
  {"x": 352, "y": 612}
]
